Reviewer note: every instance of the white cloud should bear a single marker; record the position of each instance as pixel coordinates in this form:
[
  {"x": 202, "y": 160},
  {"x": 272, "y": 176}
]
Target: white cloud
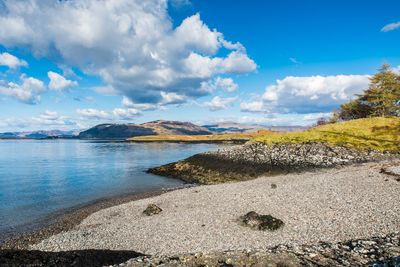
[
  {"x": 171, "y": 98},
  {"x": 131, "y": 44},
  {"x": 219, "y": 103},
  {"x": 308, "y": 94},
  {"x": 126, "y": 114},
  {"x": 48, "y": 119},
  {"x": 11, "y": 61},
  {"x": 391, "y": 27},
  {"x": 26, "y": 92},
  {"x": 52, "y": 118},
  {"x": 294, "y": 60},
  {"x": 225, "y": 84},
  {"x": 59, "y": 83},
  {"x": 253, "y": 106},
  {"x": 91, "y": 113},
  {"x": 126, "y": 102}
]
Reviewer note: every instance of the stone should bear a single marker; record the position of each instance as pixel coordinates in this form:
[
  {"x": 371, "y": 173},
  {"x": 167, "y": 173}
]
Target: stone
[
  {"x": 261, "y": 222},
  {"x": 152, "y": 209}
]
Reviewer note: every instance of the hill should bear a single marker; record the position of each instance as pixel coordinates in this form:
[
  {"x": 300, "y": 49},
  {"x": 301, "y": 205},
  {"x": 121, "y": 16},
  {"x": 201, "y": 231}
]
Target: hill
[
  {"x": 159, "y": 127},
  {"x": 378, "y": 133}
]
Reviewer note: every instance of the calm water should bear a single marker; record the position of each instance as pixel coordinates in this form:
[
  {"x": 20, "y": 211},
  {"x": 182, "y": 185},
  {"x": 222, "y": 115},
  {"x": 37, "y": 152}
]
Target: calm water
[{"x": 38, "y": 178}]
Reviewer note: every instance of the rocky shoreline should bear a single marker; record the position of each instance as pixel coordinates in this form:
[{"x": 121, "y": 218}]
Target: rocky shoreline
[
  {"x": 68, "y": 219},
  {"x": 380, "y": 251},
  {"x": 249, "y": 161}
]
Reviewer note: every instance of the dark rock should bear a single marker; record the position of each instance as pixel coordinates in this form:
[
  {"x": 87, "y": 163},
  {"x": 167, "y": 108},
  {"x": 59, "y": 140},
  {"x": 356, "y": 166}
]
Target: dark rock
[
  {"x": 261, "y": 222},
  {"x": 273, "y": 186},
  {"x": 152, "y": 209}
]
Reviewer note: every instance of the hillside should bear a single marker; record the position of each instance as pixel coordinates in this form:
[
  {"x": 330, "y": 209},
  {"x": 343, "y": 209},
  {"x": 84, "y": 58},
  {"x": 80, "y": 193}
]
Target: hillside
[
  {"x": 381, "y": 134},
  {"x": 208, "y": 138},
  {"x": 124, "y": 131}
]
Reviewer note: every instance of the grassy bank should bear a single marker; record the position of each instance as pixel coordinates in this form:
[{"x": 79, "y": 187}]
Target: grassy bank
[
  {"x": 228, "y": 137},
  {"x": 381, "y": 134}
]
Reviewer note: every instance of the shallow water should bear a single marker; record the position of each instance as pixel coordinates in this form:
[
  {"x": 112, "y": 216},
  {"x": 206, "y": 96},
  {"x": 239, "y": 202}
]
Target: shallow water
[{"x": 40, "y": 177}]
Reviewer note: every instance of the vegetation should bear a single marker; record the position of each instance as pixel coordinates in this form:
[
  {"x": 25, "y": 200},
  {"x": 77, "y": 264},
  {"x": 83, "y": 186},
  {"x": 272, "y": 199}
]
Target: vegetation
[
  {"x": 228, "y": 137},
  {"x": 378, "y": 133},
  {"x": 382, "y": 98}
]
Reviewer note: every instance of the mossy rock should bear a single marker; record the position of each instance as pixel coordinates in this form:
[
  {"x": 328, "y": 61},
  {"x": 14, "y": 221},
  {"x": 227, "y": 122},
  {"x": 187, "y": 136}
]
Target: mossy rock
[
  {"x": 152, "y": 209},
  {"x": 261, "y": 222}
]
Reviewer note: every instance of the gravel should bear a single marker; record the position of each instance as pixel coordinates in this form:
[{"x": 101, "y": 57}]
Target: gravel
[{"x": 329, "y": 205}]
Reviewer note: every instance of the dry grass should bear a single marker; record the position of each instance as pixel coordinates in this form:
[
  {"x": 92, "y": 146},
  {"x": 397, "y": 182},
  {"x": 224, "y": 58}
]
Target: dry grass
[
  {"x": 382, "y": 134},
  {"x": 228, "y": 137}
]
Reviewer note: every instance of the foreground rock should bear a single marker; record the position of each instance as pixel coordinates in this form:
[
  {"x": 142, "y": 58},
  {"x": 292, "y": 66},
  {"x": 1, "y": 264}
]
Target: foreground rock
[
  {"x": 249, "y": 161},
  {"x": 152, "y": 209},
  {"x": 261, "y": 222},
  {"x": 376, "y": 251}
]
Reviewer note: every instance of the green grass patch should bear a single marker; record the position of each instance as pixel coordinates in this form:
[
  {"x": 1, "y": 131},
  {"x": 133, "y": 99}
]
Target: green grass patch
[{"x": 381, "y": 134}]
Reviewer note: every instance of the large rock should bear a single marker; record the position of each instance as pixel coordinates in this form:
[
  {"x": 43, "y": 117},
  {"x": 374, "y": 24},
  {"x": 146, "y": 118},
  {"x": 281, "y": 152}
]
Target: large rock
[{"x": 261, "y": 222}]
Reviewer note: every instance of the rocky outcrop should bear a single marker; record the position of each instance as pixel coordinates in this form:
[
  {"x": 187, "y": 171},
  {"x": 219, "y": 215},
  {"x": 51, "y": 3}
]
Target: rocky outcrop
[
  {"x": 260, "y": 222},
  {"x": 249, "y": 161},
  {"x": 376, "y": 251},
  {"x": 152, "y": 209}
]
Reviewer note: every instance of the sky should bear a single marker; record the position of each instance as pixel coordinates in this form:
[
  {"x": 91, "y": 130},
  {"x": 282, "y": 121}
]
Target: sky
[{"x": 72, "y": 64}]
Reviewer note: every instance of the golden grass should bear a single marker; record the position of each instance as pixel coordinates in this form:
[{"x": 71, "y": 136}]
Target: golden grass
[
  {"x": 200, "y": 138},
  {"x": 382, "y": 134}
]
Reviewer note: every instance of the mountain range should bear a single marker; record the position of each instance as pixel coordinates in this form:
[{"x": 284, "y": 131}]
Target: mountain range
[{"x": 159, "y": 127}]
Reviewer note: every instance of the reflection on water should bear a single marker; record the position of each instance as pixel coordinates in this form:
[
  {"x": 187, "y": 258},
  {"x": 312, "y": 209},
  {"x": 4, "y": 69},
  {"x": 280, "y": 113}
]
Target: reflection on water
[{"x": 38, "y": 178}]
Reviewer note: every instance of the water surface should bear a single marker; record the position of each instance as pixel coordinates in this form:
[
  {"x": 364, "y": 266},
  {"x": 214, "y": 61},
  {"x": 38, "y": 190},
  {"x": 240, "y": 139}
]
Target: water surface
[{"x": 40, "y": 177}]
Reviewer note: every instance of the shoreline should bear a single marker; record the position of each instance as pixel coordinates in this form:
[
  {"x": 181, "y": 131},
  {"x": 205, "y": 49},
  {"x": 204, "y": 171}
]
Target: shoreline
[
  {"x": 311, "y": 204},
  {"x": 67, "y": 219}
]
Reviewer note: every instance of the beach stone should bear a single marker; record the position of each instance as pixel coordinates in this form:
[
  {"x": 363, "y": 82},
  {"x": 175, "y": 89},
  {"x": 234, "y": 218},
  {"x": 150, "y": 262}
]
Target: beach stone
[
  {"x": 261, "y": 222},
  {"x": 273, "y": 186},
  {"x": 152, "y": 209}
]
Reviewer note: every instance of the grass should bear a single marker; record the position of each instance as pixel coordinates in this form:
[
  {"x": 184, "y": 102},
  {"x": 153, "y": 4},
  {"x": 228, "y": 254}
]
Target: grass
[
  {"x": 381, "y": 134},
  {"x": 228, "y": 137}
]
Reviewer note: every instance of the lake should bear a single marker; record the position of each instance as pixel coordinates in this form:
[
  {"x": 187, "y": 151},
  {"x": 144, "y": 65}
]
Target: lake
[{"x": 41, "y": 177}]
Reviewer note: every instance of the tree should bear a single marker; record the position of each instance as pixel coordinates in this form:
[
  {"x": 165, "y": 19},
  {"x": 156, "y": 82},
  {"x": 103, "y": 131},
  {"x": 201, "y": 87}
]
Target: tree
[{"x": 381, "y": 99}]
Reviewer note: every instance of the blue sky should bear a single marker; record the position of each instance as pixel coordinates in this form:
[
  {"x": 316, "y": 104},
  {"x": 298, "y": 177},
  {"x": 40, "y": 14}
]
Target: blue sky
[{"x": 74, "y": 64}]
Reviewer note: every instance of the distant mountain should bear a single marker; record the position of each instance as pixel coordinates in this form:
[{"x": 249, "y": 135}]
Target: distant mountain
[
  {"x": 39, "y": 134},
  {"x": 124, "y": 131}
]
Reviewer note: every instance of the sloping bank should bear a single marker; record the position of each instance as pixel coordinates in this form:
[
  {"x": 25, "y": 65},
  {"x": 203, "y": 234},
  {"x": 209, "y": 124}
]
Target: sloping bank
[
  {"x": 245, "y": 162},
  {"x": 324, "y": 146}
]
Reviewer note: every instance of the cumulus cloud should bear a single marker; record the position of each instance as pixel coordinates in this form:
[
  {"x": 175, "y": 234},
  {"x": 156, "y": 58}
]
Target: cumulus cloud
[
  {"x": 219, "y": 103},
  {"x": 28, "y": 91},
  {"x": 391, "y": 27},
  {"x": 11, "y": 61},
  {"x": 52, "y": 118},
  {"x": 131, "y": 44},
  {"x": 46, "y": 120},
  {"x": 59, "y": 82},
  {"x": 126, "y": 102},
  {"x": 253, "y": 106},
  {"x": 225, "y": 84},
  {"x": 126, "y": 114},
  {"x": 91, "y": 113},
  {"x": 308, "y": 94}
]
